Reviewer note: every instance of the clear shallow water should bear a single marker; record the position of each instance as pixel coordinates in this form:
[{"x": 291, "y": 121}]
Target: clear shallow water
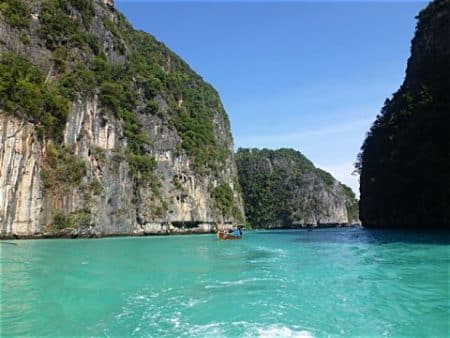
[{"x": 329, "y": 282}]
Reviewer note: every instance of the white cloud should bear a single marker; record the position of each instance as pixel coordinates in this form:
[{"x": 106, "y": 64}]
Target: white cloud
[{"x": 275, "y": 140}]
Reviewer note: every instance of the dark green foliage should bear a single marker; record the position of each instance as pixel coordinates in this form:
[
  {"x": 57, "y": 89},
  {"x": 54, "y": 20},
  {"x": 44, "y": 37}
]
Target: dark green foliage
[
  {"x": 263, "y": 190},
  {"x": 152, "y": 107},
  {"x": 157, "y": 70},
  {"x": 23, "y": 92},
  {"x": 59, "y": 27},
  {"x": 351, "y": 204},
  {"x": 197, "y": 135},
  {"x": 116, "y": 95},
  {"x": 151, "y": 85},
  {"x": 138, "y": 140},
  {"x": 59, "y": 58},
  {"x": 96, "y": 187},
  {"x": 224, "y": 200},
  {"x": 272, "y": 180},
  {"x": 79, "y": 81},
  {"x": 193, "y": 102},
  {"x": 176, "y": 183},
  {"x": 405, "y": 159},
  {"x": 117, "y": 36},
  {"x": 16, "y": 13},
  {"x": 115, "y": 88},
  {"x": 81, "y": 218},
  {"x": 24, "y": 38},
  {"x": 93, "y": 43},
  {"x": 194, "y": 122},
  {"x": 223, "y": 197},
  {"x": 431, "y": 11},
  {"x": 84, "y": 7},
  {"x": 326, "y": 177},
  {"x": 63, "y": 170},
  {"x": 111, "y": 95},
  {"x": 61, "y": 221},
  {"x": 142, "y": 167}
]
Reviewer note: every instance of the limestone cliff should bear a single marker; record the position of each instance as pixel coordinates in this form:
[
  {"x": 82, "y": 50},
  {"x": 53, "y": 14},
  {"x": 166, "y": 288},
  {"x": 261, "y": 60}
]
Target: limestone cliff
[
  {"x": 103, "y": 130},
  {"x": 283, "y": 189},
  {"x": 405, "y": 159}
]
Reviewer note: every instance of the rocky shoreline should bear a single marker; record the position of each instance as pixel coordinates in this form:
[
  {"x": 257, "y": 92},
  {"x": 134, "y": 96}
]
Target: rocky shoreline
[{"x": 153, "y": 230}]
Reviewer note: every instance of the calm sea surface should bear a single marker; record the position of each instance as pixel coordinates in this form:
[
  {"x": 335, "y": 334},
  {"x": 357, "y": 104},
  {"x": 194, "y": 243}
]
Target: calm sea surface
[{"x": 330, "y": 282}]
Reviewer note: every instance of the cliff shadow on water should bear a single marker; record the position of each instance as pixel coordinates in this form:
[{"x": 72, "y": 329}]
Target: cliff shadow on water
[{"x": 364, "y": 236}]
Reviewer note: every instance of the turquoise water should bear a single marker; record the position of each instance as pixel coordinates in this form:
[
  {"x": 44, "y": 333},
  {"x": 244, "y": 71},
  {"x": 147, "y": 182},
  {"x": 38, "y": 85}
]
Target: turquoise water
[{"x": 330, "y": 282}]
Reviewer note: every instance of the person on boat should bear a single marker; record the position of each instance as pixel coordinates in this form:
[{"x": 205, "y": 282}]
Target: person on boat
[{"x": 237, "y": 232}]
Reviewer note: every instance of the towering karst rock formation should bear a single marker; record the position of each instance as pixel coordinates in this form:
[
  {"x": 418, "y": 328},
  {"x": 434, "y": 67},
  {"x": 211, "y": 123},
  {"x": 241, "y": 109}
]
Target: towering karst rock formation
[
  {"x": 283, "y": 189},
  {"x": 405, "y": 160},
  {"x": 103, "y": 130}
]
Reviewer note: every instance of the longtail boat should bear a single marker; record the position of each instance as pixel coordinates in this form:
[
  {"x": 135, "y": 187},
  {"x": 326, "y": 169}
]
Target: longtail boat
[{"x": 224, "y": 235}]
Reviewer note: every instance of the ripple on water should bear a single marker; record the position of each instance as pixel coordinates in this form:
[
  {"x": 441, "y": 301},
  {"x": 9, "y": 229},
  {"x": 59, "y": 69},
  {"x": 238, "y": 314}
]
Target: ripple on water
[
  {"x": 254, "y": 281},
  {"x": 155, "y": 312},
  {"x": 294, "y": 284}
]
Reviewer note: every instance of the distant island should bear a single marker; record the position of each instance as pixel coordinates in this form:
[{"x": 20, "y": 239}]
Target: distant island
[{"x": 283, "y": 189}]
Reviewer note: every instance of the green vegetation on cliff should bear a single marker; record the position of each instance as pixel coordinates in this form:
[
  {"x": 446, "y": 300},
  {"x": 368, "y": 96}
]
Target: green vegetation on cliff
[
  {"x": 282, "y": 188},
  {"x": 23, "y": 91},
  {"x": 147, "y": 70},
  {"x": 61, "y": 56},
  {"x": 148, "y": 67},
  {"x": 224, "y": 199},
  {"x": 404, "y": 161},
  {"x": 59, "y": 29},
  {"x": 16, "y": 13},
  {"x": 62, "y": 170},
  {"x": 352, "y": 203},
  {"x": 77, "y": 219}
]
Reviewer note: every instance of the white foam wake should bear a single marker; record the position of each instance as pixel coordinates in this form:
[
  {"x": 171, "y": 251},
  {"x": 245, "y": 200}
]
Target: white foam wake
[{"x": 282, "y": 331}]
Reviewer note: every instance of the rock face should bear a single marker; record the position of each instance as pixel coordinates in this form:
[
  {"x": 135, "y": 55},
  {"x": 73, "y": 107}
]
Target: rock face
[
  {"x": 103, "y": 130},
  {"x": 405, "y": 160},
  {"x": 283, "y": 189}
]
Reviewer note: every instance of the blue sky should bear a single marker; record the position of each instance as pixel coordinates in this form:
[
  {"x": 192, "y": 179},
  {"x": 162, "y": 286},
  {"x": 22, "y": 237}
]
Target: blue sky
[{"x": 305, "y": 75}]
